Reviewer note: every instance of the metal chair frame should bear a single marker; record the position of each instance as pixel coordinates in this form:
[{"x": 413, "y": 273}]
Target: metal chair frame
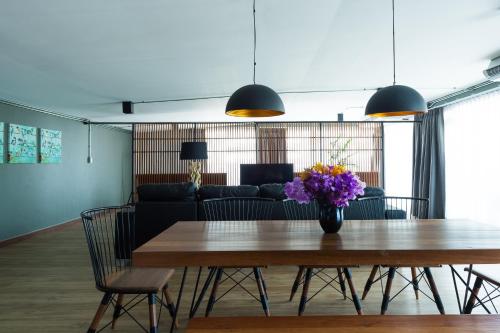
[
  {"x": 233, "y": 209},
  {"x": 296, "y": 211},
  {"x": 110, "y": 236},
  {"x": 329, "y": 280},
  {"x": 490, "y": 286},
  {"x": 492, "y": 289},
  {"x": 389, "y": 208}
]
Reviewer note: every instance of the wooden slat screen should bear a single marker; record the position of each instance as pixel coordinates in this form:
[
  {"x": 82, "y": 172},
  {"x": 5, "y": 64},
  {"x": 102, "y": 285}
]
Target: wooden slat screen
[{"x": 157, "y": 148}]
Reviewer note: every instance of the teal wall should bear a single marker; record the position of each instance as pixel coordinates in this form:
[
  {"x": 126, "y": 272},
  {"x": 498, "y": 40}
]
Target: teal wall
[{"x": 36, "y": 196}]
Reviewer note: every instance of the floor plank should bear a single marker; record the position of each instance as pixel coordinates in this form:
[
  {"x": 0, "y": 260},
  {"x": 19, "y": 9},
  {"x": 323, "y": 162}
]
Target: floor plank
[{"x": 47, "y": 285}]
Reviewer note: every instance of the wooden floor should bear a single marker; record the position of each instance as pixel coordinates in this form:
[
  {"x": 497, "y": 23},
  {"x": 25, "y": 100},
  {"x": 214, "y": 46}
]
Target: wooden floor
[{"x": 47, "y": 286}]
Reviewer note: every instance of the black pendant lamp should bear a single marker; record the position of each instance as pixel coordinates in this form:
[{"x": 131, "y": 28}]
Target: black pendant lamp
[
  {"x": 255, "y": 100},
  {"x": 396, "y": 100}
]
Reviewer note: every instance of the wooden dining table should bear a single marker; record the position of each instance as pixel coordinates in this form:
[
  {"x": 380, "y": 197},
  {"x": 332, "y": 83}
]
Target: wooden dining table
[{"x": 360, "y": 242}]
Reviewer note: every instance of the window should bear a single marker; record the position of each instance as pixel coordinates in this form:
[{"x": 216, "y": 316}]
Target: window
[
  {"x": 472, "y": 150},
  {"x": 398, "y": 142}
]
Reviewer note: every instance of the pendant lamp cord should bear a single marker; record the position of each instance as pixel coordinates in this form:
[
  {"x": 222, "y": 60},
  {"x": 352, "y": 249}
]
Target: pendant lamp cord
[
  {"x": 393, "y": 47},
  {"x": 254, "y": 42}
]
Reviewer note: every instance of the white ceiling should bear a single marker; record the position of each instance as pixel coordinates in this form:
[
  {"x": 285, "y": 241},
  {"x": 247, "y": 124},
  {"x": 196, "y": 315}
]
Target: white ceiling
[{"x": 84, "y": 57}]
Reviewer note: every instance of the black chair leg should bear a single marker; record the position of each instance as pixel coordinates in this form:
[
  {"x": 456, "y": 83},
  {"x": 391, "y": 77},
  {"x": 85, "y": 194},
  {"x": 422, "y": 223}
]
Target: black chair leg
[
  {"x": 473, "y": 296},
  {"x": 263, "y": 282},
  {"x": 213, "y": 294},
  {"x": 354, "y": 294},
  {"x": 101, "y": 310},
  {"x": 387, "y": 293},
  {"x": 305, "y": 290},
  {"x": 341, "y": 282},
  {"x": 170, "y": 305},
  {"x": 434, "y": 290},
  {"x": 263, "y": 298},
  {"x": 210, "y": 276},
  {"x": 414, "y": 280},
  {"x": 152, "y": 313},
  {"x": 296, "y": 283},
  {"x": 118, "y": 309},
  {"x": 369, "y": 282}
]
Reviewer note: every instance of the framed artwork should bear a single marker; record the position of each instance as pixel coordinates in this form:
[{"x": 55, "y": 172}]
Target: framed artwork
[
  {"x": 2, "y": 134},
  {"x": 50, "y": 146},
  {"x": 22, "y": 144}
]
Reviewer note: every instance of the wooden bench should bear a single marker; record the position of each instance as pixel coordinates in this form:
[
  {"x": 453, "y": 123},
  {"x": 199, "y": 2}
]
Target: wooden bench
[{"x": 348, "y": 324}]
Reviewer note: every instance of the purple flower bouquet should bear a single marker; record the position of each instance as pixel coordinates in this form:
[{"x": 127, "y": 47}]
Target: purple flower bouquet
[{"x": 332, "y": 186}]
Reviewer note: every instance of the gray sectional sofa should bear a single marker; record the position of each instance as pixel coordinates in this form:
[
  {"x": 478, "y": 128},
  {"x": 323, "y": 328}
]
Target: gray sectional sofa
[{"x": 162, "y": 205}]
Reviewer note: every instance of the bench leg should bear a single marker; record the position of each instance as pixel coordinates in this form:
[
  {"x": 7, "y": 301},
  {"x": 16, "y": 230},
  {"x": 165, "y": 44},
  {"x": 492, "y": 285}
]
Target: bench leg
[
  {"x": 354, "y": 294},
  {"x": 414, "y": 281},
  {"x": 101, "y": 310},
  {"x": 434, "y": 290},
  {"x": 341, "y": 282},
  {"x": 263, "y": 298},
  {"x": 369, "y": 282},
  {"x": 387, "y": 293},
  {"x": 296, "y": 283},
  {"x": 152, "y": 313},
  {"x": 305, "y": 290},
  {"x": 213, "y": 294},
  {"x": 118, "y": 309},
  {"x": 473, "y": 296}
]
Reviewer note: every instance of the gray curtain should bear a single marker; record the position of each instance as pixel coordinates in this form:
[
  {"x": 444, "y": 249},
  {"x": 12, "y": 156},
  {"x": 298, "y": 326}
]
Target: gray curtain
[{"x": 429, "y": 161}]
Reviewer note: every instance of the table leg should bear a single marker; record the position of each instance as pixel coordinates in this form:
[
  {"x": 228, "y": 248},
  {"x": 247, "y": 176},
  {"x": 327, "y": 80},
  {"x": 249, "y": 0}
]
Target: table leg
[{"x": 179, "y": 297}]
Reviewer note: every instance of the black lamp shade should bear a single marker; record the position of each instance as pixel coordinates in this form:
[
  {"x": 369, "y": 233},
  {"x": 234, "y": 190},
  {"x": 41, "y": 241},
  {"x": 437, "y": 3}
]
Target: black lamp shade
[
  {"x": 395, "y": 101},
  {"x": 255, "y": 100},
  {"x": 194, "y": 151}
]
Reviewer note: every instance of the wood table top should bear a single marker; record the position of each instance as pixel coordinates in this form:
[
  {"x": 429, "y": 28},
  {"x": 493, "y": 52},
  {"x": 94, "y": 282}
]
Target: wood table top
[
  {"x": 348, "y": 324},
  {"x": 255, "y": 243}
]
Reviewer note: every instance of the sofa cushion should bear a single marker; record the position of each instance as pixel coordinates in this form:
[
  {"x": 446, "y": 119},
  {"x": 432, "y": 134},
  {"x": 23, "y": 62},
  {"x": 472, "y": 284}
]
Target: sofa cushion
[
  {"x": 355, "y": 211},
  {"x": 273, "y": 191},
  {"x": 167, "y": 192},
  {"x": 373, "y": 192},
  {"x": 222, "y": 191}
]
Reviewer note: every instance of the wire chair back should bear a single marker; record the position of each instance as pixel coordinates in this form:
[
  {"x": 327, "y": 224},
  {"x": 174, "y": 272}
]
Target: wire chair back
[
  {"x": 297, "y": 211},
  {"x": 111, "y": 240},
  {"x": 394, "y": 208},
  {"x": 238, "y": 209}
]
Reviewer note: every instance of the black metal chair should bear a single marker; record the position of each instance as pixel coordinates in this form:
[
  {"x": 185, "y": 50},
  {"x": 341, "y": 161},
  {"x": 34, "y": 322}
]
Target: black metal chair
[
  {"x": 398, "y": 208},
  {"x": 110, "y": 237},
  {"x": 490, "y": 286},
  {"x": 296, "y": 211},
  {"x": 238, "y": 210}
]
